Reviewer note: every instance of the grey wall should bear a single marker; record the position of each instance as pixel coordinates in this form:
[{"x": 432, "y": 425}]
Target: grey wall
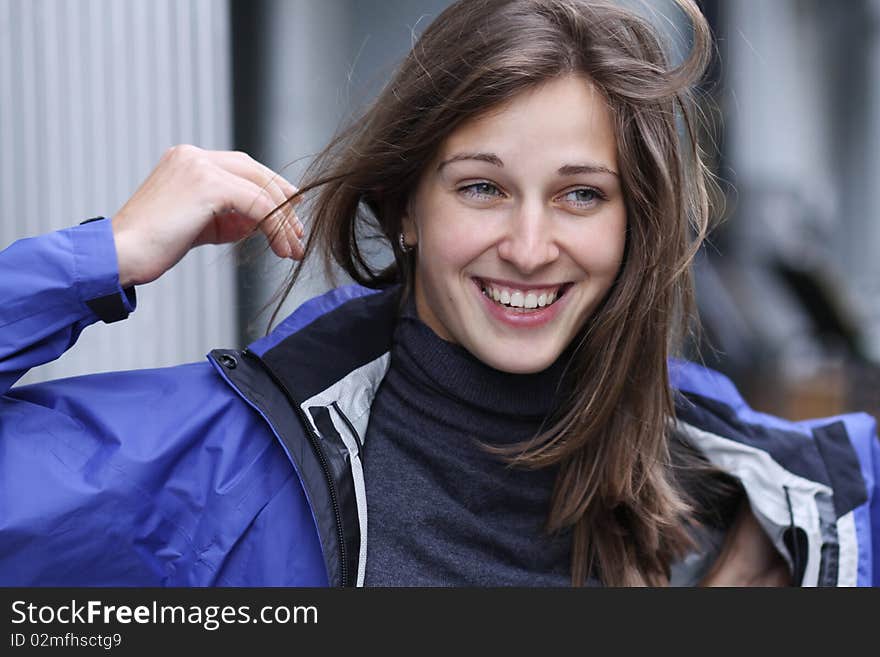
[
  {"x": 91, "y": 93},
  {"x": 312, "y": 62},
  {"x": 802, "y": 122}
]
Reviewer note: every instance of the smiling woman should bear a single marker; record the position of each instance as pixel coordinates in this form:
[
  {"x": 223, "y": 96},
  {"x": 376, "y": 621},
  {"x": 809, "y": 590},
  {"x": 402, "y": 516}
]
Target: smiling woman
[
  {"x": 500, "y": 399},
  {"x": 509, "y": 213},
  {"x": 526, "y": 166}
]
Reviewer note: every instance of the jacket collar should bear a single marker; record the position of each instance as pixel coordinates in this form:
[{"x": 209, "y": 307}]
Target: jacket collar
[{"x": 328, "y": 338}]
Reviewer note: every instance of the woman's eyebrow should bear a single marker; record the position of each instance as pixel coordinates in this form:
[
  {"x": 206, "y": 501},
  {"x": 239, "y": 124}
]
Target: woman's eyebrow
[
  {"x": 491, "y": 158},
  {"x": 575, "y": 169}
]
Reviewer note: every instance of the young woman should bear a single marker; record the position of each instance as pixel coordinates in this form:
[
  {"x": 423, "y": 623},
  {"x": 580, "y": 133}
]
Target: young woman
[{"x": 496, "y": 406}]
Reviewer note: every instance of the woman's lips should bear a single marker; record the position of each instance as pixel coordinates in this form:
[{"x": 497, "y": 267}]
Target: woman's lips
[{"x": 529, "y": 318}]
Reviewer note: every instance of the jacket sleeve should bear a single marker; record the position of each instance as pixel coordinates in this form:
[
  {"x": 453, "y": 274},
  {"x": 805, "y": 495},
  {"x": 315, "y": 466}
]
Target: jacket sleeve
[
  {"x": 149, "y": 477},
  {"x": 51, "y": 288},
  {"x": 58, "y": 519}
]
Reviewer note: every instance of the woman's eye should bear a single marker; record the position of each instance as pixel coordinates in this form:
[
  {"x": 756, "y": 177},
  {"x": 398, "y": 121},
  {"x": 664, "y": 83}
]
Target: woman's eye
[
  {"x": 480, "y": 190},
  {"x": 584, "y": 197}
]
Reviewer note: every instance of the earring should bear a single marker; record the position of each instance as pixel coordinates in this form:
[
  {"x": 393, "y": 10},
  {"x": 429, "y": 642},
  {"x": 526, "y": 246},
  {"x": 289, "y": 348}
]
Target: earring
[{"x": 403, "y": 246}]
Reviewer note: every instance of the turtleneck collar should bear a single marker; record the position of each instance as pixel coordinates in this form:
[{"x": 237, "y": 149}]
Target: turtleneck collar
[{"x": 451, "y": 370}]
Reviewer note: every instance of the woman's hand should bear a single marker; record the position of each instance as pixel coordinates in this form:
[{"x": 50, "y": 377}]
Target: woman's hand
[
  {"x": 195, "y": 197},
  {"x": 748, "y": 558}
]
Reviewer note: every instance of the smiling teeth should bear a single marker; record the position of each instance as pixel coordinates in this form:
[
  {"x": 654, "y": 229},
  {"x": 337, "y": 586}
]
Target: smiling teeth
[{"x": 518, "y": 298}]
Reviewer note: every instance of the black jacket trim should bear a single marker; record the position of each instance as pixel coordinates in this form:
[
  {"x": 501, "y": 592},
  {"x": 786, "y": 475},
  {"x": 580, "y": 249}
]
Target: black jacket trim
[
  {"x": 110, "y": 307},
  {"x": 339, "y": 459},
  {"x": 843, "y": 467}
]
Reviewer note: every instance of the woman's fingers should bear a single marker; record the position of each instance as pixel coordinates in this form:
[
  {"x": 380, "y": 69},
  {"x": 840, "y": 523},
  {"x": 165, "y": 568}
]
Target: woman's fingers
[
  {"x": 194, "y": 197},
  {"x": 257, "y": 203},
  {"x": 260, "y": 195},
  {"x": 278, "y": 188}
]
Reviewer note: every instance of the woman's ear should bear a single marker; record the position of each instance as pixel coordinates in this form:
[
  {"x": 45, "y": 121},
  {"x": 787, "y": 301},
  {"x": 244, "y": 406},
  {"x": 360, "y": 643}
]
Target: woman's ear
[{"x": 408, "y": 226}]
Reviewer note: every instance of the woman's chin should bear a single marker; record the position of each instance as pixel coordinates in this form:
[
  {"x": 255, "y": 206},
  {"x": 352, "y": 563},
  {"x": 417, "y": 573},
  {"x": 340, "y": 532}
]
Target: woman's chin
[{"x": 513, "y": 361}]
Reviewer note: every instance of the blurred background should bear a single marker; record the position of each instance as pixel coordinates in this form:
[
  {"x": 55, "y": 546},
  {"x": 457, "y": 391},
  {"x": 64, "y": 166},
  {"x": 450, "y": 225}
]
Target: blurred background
[{"x": 93, "y": 91}]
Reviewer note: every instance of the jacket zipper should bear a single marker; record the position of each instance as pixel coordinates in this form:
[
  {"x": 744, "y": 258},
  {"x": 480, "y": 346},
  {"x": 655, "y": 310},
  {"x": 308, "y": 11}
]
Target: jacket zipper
[{"x": 314, "y": 440}]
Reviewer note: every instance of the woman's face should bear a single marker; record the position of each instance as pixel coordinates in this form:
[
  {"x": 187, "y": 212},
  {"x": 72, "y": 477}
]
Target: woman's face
[{"x": 524, "y": 202}]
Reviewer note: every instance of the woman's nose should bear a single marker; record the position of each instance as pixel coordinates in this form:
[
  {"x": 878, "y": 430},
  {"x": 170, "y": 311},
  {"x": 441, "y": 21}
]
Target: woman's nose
[{"x": 530, "y": 239}]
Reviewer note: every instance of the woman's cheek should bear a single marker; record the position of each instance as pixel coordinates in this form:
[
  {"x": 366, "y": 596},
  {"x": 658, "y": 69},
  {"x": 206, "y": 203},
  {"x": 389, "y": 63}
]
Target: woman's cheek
[
  {"x": 456, "y": 239},
  {"x": 602, "y": 249}
]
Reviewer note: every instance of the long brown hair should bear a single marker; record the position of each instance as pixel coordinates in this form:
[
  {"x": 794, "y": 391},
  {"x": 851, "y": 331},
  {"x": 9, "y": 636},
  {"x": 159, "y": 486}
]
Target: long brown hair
[{"x": 616, "y": 486}]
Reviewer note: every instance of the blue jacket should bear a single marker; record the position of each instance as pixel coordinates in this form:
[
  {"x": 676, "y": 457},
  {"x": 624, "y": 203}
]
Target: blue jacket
[{"x": 245, "y": 469}]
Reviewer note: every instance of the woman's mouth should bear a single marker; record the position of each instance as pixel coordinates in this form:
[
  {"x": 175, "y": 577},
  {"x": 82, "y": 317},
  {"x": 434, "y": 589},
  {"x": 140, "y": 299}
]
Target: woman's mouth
[
  {"x": 525, "y": 300},
  {"x": 522, "y": 307}
]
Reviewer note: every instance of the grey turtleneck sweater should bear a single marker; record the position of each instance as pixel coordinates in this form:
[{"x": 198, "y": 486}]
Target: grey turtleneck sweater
[{"x": 441, "y": 511}]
